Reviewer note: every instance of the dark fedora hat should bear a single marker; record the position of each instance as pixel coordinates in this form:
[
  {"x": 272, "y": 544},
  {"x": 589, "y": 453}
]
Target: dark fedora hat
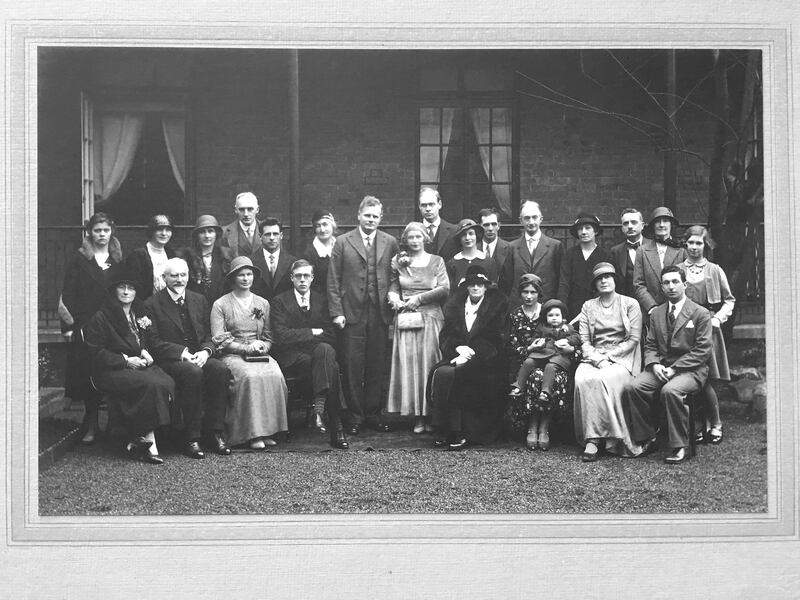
[
  {"x": 586, "y": 219},
  {"x": 467, "y": 224},
  {"x": 475, "y": 274},
  {"x": 239, "y": 263}
]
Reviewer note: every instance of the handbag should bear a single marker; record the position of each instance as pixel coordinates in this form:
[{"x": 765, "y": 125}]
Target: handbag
[{"x": 409, "y": 320}]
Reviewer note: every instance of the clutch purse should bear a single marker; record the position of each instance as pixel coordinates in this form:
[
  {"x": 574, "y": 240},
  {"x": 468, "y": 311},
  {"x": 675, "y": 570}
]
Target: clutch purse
[
  {"x": 409, "y": 320},
  {"x": 256, "y": 358}
]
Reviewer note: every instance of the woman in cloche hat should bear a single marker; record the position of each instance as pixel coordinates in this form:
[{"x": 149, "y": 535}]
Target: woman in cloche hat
[
  {"x": 208, "y": 262},
  {"x": 575, "y": 281},
  {"x": 469, "y": 238}
]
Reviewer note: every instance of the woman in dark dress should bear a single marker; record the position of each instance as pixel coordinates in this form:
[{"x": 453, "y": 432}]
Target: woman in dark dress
[
  {"x": 146, "y": 264},
  {"x": 469, "y": 237},
  {"x": 465, "y": 386},
  {"x": 117, "y": 337},
  {"x": 318, "y": 251},
  {"x": 575, "y": 281},
  {"x": 84, "y": 292},
  {"x": 207, "y": 261}
]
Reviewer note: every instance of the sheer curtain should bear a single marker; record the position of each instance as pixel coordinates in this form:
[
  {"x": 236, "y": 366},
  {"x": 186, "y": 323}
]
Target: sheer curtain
[
  {"x": 113, "y": 156},
  {"x": 431, "y": 160},
  {"x": 174, "y": 127},
  {"x": 494, "y": 126}
]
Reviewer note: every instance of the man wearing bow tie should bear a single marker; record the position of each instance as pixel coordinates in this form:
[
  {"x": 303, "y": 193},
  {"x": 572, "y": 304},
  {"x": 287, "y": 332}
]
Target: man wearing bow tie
[
  {"x": 440, "y": 232},
  {"x": 623, "y": 256},
  {"x": 241, "y": 236},
  {"x": 304, "y": 347},
  {"x": 274, "y": 262},
  {"x": 182, "y": 346},
  {"x": 676, "y": 354}
]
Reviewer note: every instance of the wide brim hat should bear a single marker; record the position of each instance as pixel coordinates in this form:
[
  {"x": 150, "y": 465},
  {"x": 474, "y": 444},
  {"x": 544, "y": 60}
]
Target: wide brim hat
[
  {"x": 466, "y": 225},
  {"x": 239, "y": 263},
  {"x": 204, "y": 221},
  {"x": 120, "y": 273},
  {"x": 586, "y": 219},
  {"x": 553, "y": 303},
  {"x": 662, "y": 211},
  {"x": 475, "y": 274},
  {"x": 602, "y": 268}
]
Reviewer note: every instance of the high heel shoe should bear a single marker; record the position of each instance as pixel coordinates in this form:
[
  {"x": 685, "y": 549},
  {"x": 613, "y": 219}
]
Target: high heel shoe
[
  {"x": 419, "y": 425},
  {"x": 544, "y": 440}
]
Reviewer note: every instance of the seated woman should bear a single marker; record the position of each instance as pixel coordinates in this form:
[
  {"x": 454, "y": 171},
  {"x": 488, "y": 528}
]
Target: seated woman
[
  {"x": 707, "y": 285},
  {"x": 464, "y": 386},
  {"x": 147, "y": 264},
  {"x": 240, "y": 329},
  {"x": 207, "y": 261},
  {"x": 117, "y": 338},
  {"x": 610, "y": 327},
  {"x": 469, "y": 238},
  {"x": 418, "y": 284}
]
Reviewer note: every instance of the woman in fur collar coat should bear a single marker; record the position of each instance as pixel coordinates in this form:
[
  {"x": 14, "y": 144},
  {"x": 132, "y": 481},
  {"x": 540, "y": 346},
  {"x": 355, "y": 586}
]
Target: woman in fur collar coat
[{"x": 83, "y": 294}]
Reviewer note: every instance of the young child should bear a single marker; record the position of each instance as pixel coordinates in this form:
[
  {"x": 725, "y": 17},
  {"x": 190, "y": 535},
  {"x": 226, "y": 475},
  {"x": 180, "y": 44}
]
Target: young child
[{"x": 553, "y": 345}]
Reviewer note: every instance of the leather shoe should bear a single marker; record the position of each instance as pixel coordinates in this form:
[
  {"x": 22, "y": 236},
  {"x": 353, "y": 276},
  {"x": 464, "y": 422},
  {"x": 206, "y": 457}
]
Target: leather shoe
[
  {"x": 153, "y": 459},
  {"x": 382, "y": 427},
  {"x": 532, "y": 439},
  {"x": 193, "y": 450},
  {"x": 439, "y": 443},
  {"x": 458, "y": 443},
  {"x": 219, "y": 445},
  {"x": 677, "y": 457},
  {"x": 338, "y": 440},
  {"x": 353, "y": 429},
  {"x": 319, "y": 424}
]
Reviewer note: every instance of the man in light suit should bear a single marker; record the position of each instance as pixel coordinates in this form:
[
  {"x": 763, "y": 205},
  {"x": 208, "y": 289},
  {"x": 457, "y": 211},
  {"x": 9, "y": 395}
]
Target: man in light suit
[
  {"x": 274, "y": 262},
  {"x": 441, "y": 232},
  {"x": 493, "y": 244},
  {"x": 241, "y": 236},
  {"x": 358, "y": 283},
  {"x": 304, "y": 341},
  {"x": 623, "y": 255},
  {"x": 676, "y": 355},
  {"x": 182, "y": 346},
  {"x": 652, "y": 256},
  {"x": 532, "y": 252}
]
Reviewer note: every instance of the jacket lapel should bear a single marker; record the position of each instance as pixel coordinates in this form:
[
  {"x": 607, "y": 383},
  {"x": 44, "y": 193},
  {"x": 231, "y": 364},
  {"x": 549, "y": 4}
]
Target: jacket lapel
[
  {"x": 539, "y": 251},
  {"x": 522, "y": 252},
  {"x": 93, "y": 271},
  {"x": 170, "y": 309},
  {"x": 281, "y": 268},
  {"x": 358, "y": 243}
]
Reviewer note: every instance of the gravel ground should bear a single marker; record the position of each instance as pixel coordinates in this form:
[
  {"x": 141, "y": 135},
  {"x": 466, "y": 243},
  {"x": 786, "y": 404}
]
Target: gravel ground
[{"x": 402, "y": 473}]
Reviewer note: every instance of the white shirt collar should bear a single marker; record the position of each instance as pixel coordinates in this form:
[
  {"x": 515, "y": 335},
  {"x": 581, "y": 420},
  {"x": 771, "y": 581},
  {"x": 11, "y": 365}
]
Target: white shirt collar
[
  {"x": 247, "y": 230},
  {"x": 470, "y": 308},
  {"x": 267, "y": 254},
  {"x": 322, "y": 250},
  {"x": 491, "y": 245},
  {"x": 678, "y": 305},
  {"x": 480, "y": 255},
  {"x": 175, "y": 296},
  {"x": 153, "y": 250},
  {"x": 536, "y": 237},
  {"x": 367, "y": 236},
  {"x": 298, "y": 296}
]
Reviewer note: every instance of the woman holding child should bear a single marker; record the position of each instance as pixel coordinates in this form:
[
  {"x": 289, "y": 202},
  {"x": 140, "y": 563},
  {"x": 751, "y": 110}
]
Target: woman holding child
[{"x": 610, "y": 328}]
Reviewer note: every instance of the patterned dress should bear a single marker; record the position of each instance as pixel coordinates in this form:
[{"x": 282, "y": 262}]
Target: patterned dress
[
  {"x": 257, "y": 402},
  {"x": 415, "y": 351}
]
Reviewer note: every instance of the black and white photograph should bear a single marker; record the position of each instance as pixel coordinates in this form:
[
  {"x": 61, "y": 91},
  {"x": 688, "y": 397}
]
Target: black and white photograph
[{"x": 411, "y": 306}]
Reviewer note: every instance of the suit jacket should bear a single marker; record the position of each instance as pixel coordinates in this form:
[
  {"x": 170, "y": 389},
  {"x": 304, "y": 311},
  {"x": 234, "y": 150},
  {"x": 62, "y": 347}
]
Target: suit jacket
[
  {"x": 292, "y": 326},
  {"x": 141, "y": 267},
  {"x": 647, "y": 273},
  {"x": 546, "y": 264},
  {"x": 166, "y": 331},
  {"x": 501, "y": 251},
  {"x": 347, "y": 275},
  {"x": 622, "y": 262},
  {"x": 689, "y": 347},
  {"x": 444, "y": 243},
  {"x": 234, "y": 238},
  {"x": 486, "y": 335},
  {"x": 268, "y": 286}
]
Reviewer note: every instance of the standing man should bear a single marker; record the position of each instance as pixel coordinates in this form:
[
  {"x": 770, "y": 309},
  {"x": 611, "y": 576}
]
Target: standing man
[
  {"x": 441, "y": 232},
  {"x": 533, "y": 252},
  {"x": 623, "y": 256},
  {"x": 182, "y": 346},
  {"x": 651, "y": 258},
  {"x": 304, "y": 341},
  {"x": 241, "y": 236},
  {"x": 676, "y": 355},
  {"x": 275, "y": 264},
  {"x": 358, "y": 284},
  {"x": 493, "y": 244}
]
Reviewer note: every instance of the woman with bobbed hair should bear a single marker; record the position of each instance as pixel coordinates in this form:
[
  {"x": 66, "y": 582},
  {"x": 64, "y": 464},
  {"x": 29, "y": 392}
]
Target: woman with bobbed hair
[
  {"x": 146, "y": 264},
  {"x": 85, "y": 291},
  {"x": 418, "y": 284},
  {"x": 318, "y": 251},
  {"x": 707, "y": 285},
  {"x": 469, "y": 238},
  {"x": 208, "y": 262}
]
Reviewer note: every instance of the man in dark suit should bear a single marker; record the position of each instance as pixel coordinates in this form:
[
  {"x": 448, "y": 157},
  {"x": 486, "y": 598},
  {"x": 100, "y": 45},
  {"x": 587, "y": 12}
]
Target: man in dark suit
[
  {"x": 274, "y": 262},
  {"x": 241, "y": 236},
  {"x": 676, "y": 355},
  {"x": 358, "y": 283},
  {"x": 182, "y": 346},
  {"x": 304, "y": 341},
  {"x": 623, "y": 255},
  {"x": 442, "y": 233},
  {"x": 532, "y": 252},
  {"x": 651, "y": 258},
  {"x": 493, "y": 244}
]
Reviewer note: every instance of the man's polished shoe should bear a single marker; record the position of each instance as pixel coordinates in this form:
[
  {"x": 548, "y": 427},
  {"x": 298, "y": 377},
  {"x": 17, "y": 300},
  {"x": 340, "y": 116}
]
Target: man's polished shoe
[
  {"x": 338, "y": 440},
  {"x": 677, "y": 457},
  {"x": 153, "y": 459},
  {"x": 219, "y": 444},
  {"x": 193, "y": 450},
  {"x": 458, "y": 443},
  {"x": 319, "y": 424}
]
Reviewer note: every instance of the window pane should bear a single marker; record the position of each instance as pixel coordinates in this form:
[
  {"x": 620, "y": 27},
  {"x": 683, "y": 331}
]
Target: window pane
[
  {"x": 457, "y": 124},
  {"x": 501, "y": 125},
  {"x": 502, "y": 199},
  {"x": 429, "y": 163},
  {"x": 478, "y": 155},
  {"x": 429, "y": 123},
  {"x": 501, "y": 164}
]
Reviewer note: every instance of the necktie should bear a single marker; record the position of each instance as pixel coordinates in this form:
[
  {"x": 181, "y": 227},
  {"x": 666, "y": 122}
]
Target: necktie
[
  {"x": 431, "y": 232},
  {"x": 272, "y": 264},
  {"x": 367, "y": 242},
  {"x": 671, "y": 316},
  {"x": 531, "y": 246},
  {"x": 179, "y": 302},
  {"x": 303, "y": 303},
  {"x": 487, "y": 249}
]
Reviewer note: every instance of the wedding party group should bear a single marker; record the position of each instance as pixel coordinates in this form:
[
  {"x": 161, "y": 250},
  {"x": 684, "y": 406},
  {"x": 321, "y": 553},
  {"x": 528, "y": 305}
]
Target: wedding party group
[{"x": 451, "y": 325}]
